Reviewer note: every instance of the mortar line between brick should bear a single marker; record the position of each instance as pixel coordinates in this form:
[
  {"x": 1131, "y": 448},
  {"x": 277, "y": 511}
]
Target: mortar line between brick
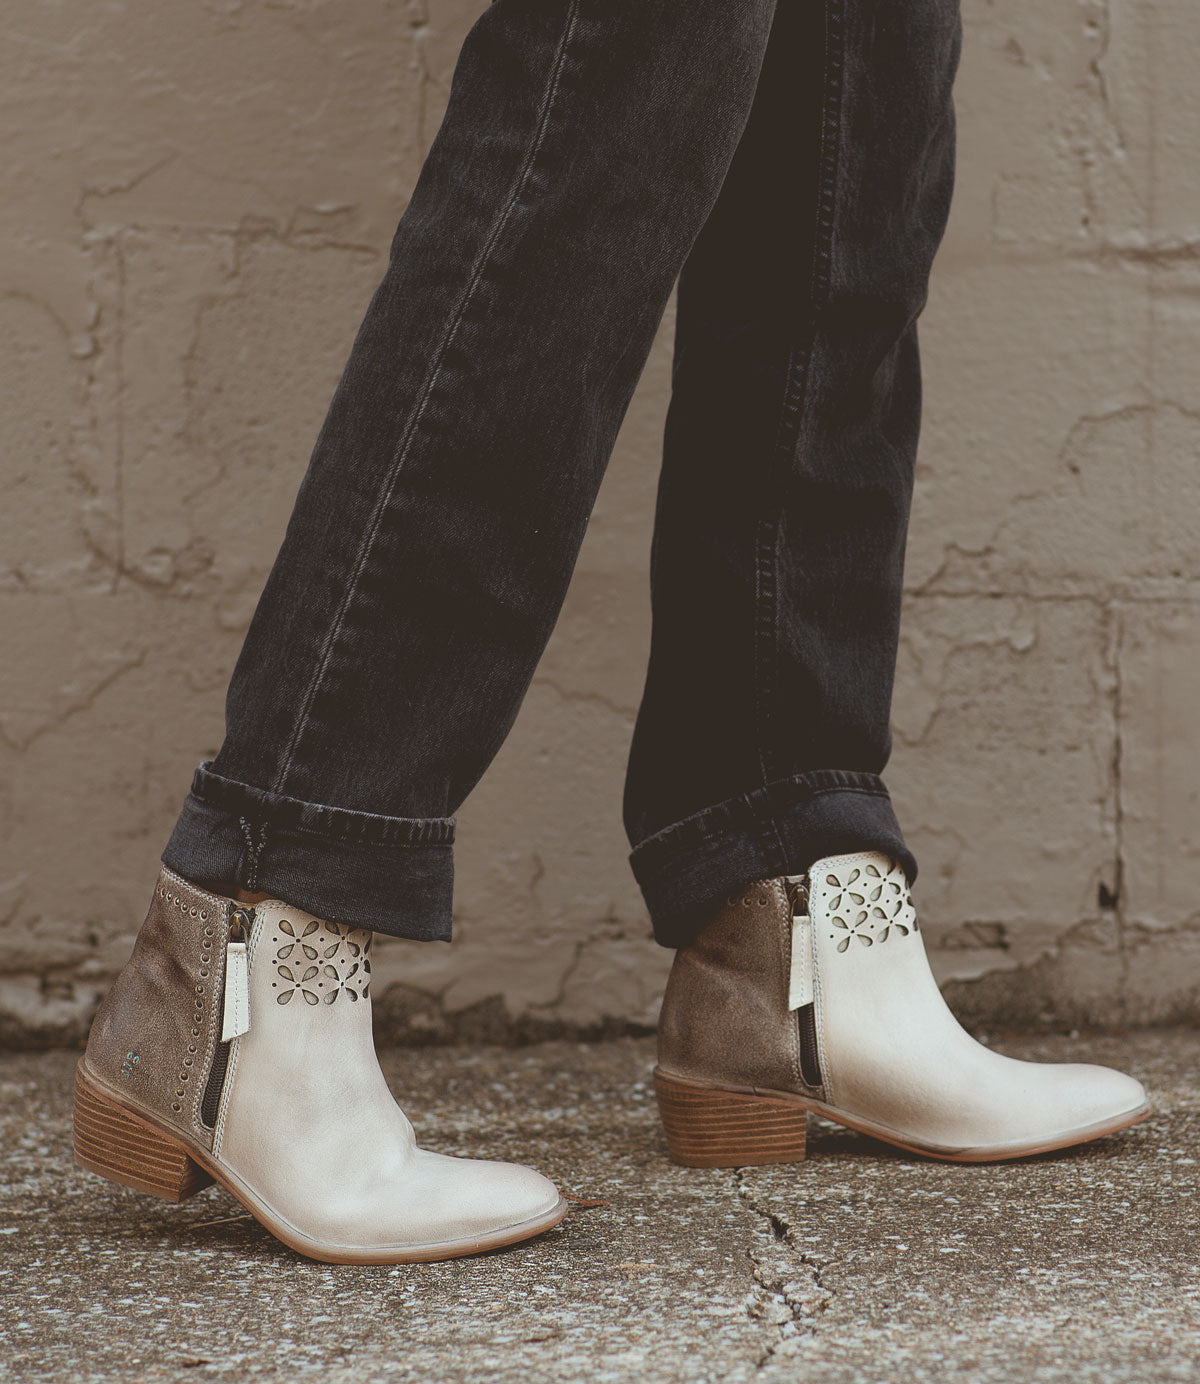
[
  {"x": 119, "y": 414},
  {"x": 1118, "y": 812}
]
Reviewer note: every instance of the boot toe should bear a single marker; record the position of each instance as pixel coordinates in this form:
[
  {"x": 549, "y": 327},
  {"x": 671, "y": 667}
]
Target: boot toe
[
  {"x": 1102, "y": 1095},
  {"x": 463, "y": 1198}
]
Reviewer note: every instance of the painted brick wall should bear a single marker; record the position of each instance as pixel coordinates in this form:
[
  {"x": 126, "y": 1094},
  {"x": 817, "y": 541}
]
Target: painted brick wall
[{"x": 197, "y": 206}]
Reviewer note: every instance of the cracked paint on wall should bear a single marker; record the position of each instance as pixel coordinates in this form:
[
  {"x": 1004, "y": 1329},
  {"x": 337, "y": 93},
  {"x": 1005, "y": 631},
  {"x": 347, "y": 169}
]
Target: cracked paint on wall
[{"x": 197, "y": 216}]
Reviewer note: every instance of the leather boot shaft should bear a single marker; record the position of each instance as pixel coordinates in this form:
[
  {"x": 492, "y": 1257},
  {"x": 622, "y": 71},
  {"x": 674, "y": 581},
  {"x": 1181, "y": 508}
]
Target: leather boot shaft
[
  {"x": 236, "y": 1045},
  {"x": 826, "y": 973},
  {"x": 725, "y": 1016},
  {"x": 157, "y": 1029}
]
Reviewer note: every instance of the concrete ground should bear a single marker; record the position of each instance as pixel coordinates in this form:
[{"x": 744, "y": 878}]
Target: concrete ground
[{"x": 860, "y": 1265}]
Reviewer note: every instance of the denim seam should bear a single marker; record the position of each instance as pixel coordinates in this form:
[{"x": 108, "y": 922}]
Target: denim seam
[
  {"x": 252, "y": 853},
  {"x": 794, "y": 396},
  {"x": 294, "y": 829},
  {"x": 362, "y": 837},
  {"x": 431, "y": 379},
  {"x": 851, "y": 788},
  {"x": 769, "y": 836},
  {"x": 744, "y": 802},
  {"x": 246, "y": 803}
]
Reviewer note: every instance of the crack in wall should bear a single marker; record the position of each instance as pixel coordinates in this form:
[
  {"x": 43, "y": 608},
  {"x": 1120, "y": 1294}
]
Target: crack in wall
[
  {"x": 75, "y": 702},
  {"x": 419, "y": 29},
  {"x": 119, "y": 556},
  {"x": 1114, "y": 898},
  {"x": 107, "y": 480},
  {"x": 585, "y": 696}
]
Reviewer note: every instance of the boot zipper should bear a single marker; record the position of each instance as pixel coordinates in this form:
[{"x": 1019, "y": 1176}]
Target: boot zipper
[
  {"x": 810, "y": 1066},
  {"x": 800, "y": 993},
  {"x": 235, "y": 1013}
]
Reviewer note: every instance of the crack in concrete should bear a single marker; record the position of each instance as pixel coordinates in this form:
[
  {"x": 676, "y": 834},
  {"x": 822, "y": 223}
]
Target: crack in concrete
[{"x": 788, "y": 1303}]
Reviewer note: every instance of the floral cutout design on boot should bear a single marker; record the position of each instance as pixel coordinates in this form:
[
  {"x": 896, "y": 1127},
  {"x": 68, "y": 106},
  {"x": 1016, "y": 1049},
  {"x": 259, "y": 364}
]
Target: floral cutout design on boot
[
  {"x": 321, "y": 961},
  {"x": 870, "y": 904},
  {"x": 873, "y": 1044},
  {"x": 268, "y": 1119}
]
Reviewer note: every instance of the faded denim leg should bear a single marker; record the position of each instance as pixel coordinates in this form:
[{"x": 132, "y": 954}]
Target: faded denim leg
[
  {"x": 438, "y": 523},
  {"x": 789, "y": 453}
]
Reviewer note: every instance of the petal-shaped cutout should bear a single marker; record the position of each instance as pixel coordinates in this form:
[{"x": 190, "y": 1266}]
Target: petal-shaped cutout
[
  {"x": 858, "y": 898},
  {"x": 285, "y": 926},
  {"x": 874, "y": 872},
  {"x": 330, "y": 951},
  {"x": 354, "y": 948},
  {"x": 329, "y": 998},
  {"x": 310, "y": 952},
  {"x": 833, "y": 879},
  {"x": 863, "y": 938},
  {"x": 901, "y": 929},
  {"x": 366, "y": 965},
  {"x": 839, "y": 922},
  {"x": 312, "y": 927},
  {"x": 353, "y": 993},
  {"x": 309, "y": 972},
  {"x": 286, "y": 973},
  {"x": 882, "y": 937},
  {"x": 329, "y": 971},
  {"x": 287, "y": 995},
  {"x": 843, "y": 944},
  {"x": 854, "y": 874},
  {"x": 285, "y": 951},
  {"x": 836, "y": 901},
  {"x": 351, "y": 971},
  {"x": 366, "y": 991},
  {"x": 309, "y": 997}
]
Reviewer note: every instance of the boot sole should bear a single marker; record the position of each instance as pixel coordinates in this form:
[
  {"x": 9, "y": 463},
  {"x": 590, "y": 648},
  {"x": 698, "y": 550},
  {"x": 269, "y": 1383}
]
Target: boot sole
[
  {"x": 131, "y": 1147},
  {"x": 710, "y": 1126}
]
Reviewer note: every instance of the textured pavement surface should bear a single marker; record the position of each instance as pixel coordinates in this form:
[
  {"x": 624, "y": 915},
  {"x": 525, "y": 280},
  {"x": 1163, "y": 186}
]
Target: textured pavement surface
[{"x": 860, "y": 1265}]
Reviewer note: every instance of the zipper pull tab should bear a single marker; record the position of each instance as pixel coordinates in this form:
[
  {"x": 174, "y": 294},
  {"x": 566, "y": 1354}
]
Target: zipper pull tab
[
  {"x": 800, "y": 981},
  {"x": 235, "y": 1017}
]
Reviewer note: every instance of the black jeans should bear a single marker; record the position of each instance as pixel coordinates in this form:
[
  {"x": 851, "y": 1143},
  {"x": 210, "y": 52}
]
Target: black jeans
[{"x": 791, "y": 163}]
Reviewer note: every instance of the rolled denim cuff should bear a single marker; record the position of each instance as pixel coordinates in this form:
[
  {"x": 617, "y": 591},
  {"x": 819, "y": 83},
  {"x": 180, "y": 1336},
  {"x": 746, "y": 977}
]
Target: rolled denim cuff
[
  {"x": 779, "y": 829},
  {"x": 391, "y": 874}
]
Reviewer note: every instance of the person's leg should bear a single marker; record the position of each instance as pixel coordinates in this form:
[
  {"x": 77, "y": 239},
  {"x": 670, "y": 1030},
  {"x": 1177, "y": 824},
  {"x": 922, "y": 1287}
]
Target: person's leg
[
  {"x": 788, "y": 464},
  {"x": 431, "y": 544},
  {"x": 763, "y": 836},
  {"x": 436, "y": 529}
]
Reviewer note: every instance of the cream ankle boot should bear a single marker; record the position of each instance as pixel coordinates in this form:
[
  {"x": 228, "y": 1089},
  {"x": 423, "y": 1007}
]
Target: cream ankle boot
[
  {"x": 236, "y": 1045},
  {"x": 813, "y": 993}
]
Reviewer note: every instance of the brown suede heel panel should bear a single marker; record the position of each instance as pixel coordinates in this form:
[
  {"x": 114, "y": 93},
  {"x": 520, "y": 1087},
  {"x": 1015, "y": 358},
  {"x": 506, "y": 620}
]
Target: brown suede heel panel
[
  {"x": 725, "y": 1016},
  {"x": 155, "y": 1031}
]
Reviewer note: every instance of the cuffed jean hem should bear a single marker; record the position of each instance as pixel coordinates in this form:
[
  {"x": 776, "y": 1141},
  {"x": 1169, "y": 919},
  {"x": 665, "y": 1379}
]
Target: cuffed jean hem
[
  {"x": 390, "y": 874},
  {"x": 780, "y": 829}
]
